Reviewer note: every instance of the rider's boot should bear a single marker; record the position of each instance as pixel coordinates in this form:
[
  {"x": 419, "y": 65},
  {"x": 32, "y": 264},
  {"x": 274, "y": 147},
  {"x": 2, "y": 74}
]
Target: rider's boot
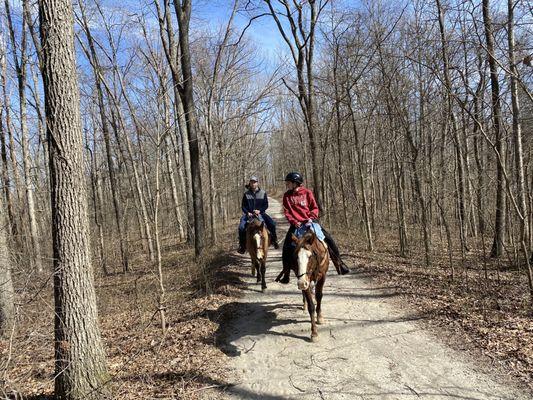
[
  {"x": 340, "y": 266},
  {"x": 284, "y": 276},
  {"x": 274, "y": 240}
]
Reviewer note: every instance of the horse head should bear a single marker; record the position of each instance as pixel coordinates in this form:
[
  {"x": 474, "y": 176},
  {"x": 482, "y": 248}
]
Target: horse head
[
  {"x": 311, "y": 256},
  {"x": 256, "y": 228}
]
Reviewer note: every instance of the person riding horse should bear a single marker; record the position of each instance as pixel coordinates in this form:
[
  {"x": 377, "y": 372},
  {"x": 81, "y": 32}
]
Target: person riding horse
[
  {"x": 300, "y": 208},
  {"x": 255, "y": 202}
]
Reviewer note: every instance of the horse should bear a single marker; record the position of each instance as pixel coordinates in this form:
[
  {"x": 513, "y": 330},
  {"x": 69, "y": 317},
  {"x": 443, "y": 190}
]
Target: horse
[
  {"x": 257, "y": 243},
  {"x": 312, "y": 265}
]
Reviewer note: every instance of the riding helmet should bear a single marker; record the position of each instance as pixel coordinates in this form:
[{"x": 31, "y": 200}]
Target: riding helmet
[{"x": 294, "y": 177}]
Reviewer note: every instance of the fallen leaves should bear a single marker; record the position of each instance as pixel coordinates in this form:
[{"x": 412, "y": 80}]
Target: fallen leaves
[{"x": 142, "y": 361}]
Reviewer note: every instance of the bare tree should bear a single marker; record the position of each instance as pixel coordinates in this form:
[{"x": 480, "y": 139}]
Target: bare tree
[
  {"x": 183, "y": 13},
  {"x": 21, "y": 69},
  {"x": 499, "y": 225},
  {"x": 518, "y": 147},
  {"x": 297, "y": 24},
  {"x": 455, "y": 129},
  {"x": 80, "y": 358},
  {"x": 98, "y": 77},
  {"x": 4, "y": 110},
  {"x": 7, "y": 293}
]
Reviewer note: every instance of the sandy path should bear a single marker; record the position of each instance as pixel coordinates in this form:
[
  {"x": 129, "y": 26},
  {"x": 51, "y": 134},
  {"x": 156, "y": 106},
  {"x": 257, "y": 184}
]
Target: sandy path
[{"x": 368, "y": 348}]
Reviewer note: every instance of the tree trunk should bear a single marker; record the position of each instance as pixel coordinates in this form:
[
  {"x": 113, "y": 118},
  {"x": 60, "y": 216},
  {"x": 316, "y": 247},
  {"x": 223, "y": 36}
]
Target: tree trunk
[
  {"x": 499, "y": 225},
  {"x": 161, "y": 298},
  {"x": 16, "y": 227},
  {"x": 4, "y": 107},
  {"x": 360, "y": 162},
  {"x": 170, "y": 169},
  {"x": 7, "y": 293},
  {"x": 519, "y": 160},
  {"x": 96, "y": 188},
  {"x": 183, "y": 12},
  {"x": 457, "y": 142},
  {"x": 170, "y": 46},
  {"x": 80, "y": 359},
  {"x": 6, "y": 182},
  {"x": 20, "y": 66},
  {"x": 124, "y": 254}
]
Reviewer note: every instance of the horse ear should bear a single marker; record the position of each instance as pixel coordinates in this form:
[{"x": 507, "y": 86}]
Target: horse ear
[{"x": 294, "y": 238}]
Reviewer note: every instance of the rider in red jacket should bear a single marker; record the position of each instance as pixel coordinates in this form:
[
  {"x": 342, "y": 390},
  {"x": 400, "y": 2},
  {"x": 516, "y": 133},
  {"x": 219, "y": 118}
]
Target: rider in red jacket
[{"x": 300, "y": 207}]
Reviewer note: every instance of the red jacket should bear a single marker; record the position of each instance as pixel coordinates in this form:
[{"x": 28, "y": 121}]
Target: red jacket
[{"x": 299, "y": 205}]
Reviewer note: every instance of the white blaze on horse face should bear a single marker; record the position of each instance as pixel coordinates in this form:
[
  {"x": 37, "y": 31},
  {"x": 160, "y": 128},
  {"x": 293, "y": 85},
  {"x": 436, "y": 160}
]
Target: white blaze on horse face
[
  {"x": 257, "y": 241},
  {"x": 303, "y": 260}
]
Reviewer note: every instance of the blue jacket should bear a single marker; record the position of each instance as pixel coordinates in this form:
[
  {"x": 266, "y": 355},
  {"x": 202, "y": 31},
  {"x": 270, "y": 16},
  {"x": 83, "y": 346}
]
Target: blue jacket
[{"x": 254, "y": 201}]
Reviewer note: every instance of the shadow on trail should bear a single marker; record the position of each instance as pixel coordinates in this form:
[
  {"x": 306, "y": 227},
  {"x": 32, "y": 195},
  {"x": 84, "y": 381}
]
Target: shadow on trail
[
  {"x": 249, "y": 319},
  {"x": 331, "y": 292},
  {"x": 429, "y": 393},
  {"x": 248, "y": 394},
  {"x": 312, "y": 392}
]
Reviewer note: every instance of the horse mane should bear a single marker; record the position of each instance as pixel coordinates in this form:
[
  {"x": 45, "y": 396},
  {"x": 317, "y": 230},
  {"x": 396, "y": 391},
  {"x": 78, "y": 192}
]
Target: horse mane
[
  {"x": 308, "y": 238},
  {"x": 255, "y": 224}
]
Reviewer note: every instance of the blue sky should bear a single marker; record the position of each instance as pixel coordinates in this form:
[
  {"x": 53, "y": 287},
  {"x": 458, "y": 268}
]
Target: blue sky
[
  {"x": 263, "y": 31},
  {"x": 214, "y": 14}
]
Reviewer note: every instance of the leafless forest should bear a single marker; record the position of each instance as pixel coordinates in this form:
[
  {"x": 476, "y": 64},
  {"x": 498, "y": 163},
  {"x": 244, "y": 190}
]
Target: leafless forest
[{"x": 129, "y": 130}]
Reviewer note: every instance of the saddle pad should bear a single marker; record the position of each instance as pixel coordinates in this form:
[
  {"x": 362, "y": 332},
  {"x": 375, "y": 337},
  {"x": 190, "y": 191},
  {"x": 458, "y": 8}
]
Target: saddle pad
[{"x": 314, "y": 227}]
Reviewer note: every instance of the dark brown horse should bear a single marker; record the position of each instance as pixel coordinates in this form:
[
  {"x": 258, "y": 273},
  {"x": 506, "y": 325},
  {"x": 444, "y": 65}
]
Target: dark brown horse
[
  {"x": 257, "y": 242},
  {"x": 312, "y": 263}
]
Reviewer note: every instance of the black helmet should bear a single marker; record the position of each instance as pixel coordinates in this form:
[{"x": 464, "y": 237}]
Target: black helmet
[{"x": 294, "y": 177}]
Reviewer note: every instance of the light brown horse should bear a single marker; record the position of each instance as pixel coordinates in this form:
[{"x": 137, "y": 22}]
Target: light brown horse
[
  {"x": 312, "y": 258},
  {"x": 257, "y": 243}
]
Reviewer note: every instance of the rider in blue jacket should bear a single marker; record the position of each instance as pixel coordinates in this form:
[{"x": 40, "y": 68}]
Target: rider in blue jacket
[{"x": 255, "y": 202}]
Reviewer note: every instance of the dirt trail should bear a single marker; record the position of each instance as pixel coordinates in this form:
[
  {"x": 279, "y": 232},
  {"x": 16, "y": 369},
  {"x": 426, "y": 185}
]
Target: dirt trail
[{"x": 368, "y": 348}]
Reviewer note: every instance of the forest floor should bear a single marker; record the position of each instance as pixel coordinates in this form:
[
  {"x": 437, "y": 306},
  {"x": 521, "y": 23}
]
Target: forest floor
[
  {"x": 394, "y": 329},
  {"x": 143, "y": 362}
]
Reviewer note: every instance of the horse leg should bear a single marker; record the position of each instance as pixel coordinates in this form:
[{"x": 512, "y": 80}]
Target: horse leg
[
  {"x": 311, "y": 309},
  {"x": 257, "y": 267},
  {"x": 253, "y": 267},
  {"x": 263, "y": 274},
  {"x": 318, "y": 294},
  {"x": 304, "y": 306}
]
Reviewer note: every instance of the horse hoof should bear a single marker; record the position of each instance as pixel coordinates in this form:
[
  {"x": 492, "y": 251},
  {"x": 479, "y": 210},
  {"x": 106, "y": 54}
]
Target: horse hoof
[
  {"x": 320, "y": 321},
  {"x": 263, "y": 289},
  {"x": 314, "y": 338}
]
